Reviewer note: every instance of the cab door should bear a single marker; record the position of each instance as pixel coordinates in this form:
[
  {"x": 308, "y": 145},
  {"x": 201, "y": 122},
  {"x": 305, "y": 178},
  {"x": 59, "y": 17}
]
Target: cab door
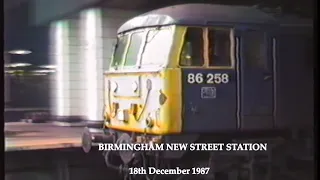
[
  {"x": 208, "y": 81},
  {"x": 256, "y": 80}
]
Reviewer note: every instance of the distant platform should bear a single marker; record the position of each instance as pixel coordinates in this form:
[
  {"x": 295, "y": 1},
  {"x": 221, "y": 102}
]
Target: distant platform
[{"x": 30, "y": 136}]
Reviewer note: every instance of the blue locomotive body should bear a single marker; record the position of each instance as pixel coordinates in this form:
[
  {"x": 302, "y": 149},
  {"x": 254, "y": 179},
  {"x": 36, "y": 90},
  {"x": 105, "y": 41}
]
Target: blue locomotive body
[{"x": 269, "y": 83}]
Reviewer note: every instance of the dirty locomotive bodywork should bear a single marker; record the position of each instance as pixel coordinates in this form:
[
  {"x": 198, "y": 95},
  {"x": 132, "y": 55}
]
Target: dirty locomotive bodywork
[{"x": 207, "y": 73}]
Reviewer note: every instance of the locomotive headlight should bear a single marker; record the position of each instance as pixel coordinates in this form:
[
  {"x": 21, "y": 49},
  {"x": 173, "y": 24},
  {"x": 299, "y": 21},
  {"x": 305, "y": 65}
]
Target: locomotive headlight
[
  {"x": 153, "y": 119},
  {"x": 113, "y": 86},
  {"x": 134, "y": 86},
  {"x": 149, "y": 122}
]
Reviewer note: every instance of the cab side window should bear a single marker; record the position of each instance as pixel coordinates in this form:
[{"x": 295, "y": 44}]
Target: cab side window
[
  {"x": 192, "y": 50},
  {"x": 219, "y": 47},
  {"x": 254, "y": 49}
]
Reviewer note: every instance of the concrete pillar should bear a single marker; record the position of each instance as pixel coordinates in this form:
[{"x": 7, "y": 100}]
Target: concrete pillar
[
  {"x": 76, "y": 70},
  {"x": 92, "y": 59},
  {"x": 59, "y": 56},
  {"x": 99, "y": 32},
  {"x": 68, "y": 85},
  {"x": 82, "y": 49}
]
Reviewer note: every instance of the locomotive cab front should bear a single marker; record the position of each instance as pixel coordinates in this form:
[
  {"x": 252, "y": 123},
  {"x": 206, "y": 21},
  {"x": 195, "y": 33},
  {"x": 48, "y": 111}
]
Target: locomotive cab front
[
  {"x": 172, "y": 79},
  {"x": 139, "y": 91}
]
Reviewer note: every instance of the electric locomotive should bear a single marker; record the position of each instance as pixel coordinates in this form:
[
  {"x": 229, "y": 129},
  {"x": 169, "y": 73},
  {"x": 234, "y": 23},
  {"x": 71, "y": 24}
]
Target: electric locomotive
[{"x": 204, "y": 72}]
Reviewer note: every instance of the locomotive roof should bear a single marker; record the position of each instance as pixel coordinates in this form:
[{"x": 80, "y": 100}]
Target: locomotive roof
[{"x": 203, "y": 15}]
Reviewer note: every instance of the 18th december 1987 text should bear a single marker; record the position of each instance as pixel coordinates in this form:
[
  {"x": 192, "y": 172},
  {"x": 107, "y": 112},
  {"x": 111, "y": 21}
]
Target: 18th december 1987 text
[{"x": 177, "y": 170}]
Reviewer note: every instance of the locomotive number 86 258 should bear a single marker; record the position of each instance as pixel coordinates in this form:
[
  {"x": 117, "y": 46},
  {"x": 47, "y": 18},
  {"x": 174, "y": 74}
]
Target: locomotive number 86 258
[{"x": 210, "y": 78}]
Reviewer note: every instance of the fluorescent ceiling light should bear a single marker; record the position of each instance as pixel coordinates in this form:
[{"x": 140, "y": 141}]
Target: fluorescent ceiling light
[
  {"x": 17, "y": 65},
  {"x": 48, "y": 66},
  {"x": 44, "y": 71},
  {"x": 10, "y": 71},
  {"x": 14, "y": 71},
  {"x": 39, "y": 74},
  {"x": 20, "y": 52}
]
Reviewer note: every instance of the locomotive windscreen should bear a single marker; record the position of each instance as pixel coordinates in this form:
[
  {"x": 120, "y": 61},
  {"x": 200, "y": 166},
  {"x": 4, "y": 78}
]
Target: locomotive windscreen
[
  {"x": 157, "y": 47},
  {"x": 143, "y": 48},
  {"x": 119, "y": 51}
]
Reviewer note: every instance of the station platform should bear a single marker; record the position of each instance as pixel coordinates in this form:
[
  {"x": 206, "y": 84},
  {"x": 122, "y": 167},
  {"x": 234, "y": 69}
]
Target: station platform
[
  {"x": 35, "y": 136},
  {"x": 51, "y": 151}
]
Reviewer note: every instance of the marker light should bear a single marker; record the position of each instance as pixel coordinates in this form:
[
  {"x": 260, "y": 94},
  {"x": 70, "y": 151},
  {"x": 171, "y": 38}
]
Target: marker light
[
  {"x": 134, "y": 86},
  {"x": 149, "y": 122}
]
